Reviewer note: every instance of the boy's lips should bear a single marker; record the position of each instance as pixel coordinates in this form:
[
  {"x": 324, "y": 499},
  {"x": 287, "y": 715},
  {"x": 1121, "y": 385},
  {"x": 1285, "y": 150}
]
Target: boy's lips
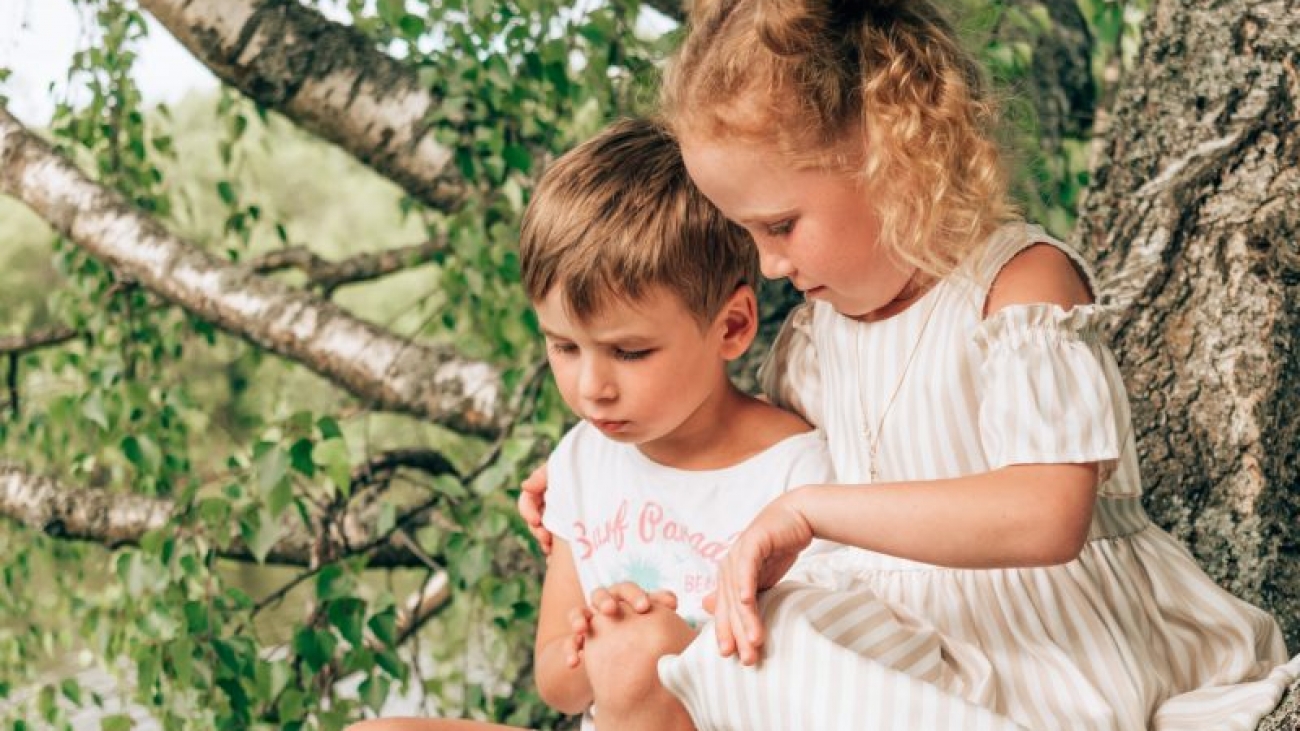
[{"x": 609, "y": 425}]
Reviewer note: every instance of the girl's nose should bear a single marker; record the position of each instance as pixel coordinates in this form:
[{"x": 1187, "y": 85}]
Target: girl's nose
[{"x": 772, "y": 264}]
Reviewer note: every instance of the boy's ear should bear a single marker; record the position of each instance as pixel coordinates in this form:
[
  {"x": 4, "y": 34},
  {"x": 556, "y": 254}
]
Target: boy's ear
[{"x": 738, "y": 321}]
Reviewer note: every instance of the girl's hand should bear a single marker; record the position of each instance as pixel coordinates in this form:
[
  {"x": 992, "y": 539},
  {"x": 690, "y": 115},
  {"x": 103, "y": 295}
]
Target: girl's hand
[
  {"x": 532, "y": 503},
  {"x": 608, "y": 600},
  {"x": 758, "y": 558}
]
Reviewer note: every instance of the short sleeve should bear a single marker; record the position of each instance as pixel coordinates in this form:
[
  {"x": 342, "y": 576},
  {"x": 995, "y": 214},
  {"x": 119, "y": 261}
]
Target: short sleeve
[
  {"x": 1050, "y": 391},
  {"x": 790, "y": 375},
  {"x": 561, "y": 501}
]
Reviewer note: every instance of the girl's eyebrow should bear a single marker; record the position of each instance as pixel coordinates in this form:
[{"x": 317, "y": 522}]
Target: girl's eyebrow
[{"x": 754, "y": 218}]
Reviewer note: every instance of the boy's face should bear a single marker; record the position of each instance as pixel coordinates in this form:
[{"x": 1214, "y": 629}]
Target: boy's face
[{"x": 642, "y": 372}]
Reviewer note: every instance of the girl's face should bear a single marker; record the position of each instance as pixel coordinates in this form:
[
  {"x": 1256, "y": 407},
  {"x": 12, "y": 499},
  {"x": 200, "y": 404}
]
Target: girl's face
[{"x": 812, "y": 226}]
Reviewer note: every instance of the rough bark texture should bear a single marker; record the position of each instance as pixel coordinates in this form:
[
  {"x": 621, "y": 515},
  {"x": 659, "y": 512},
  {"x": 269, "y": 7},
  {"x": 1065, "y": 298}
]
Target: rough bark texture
[
  {"x": 1193, "y": 222},
  {"x": 382, "y": 369},
  {"x": 328, "y": 78},
  {"x": 113, "y": 519}
]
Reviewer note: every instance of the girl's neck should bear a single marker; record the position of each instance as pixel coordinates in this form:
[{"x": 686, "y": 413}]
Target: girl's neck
[{"x": 917, "y": 286}]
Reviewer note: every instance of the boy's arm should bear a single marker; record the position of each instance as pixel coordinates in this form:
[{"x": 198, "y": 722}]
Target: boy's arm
[{"x": 564, "y": 688}]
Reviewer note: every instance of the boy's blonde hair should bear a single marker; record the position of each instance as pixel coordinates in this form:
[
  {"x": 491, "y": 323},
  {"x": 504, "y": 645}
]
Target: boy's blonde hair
[
  {"x": 618, "y": 215},
  {"x": 877, "y": 88}
]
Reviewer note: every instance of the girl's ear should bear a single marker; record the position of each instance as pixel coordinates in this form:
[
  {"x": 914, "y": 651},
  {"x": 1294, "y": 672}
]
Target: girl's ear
[{"x": 738, "y": 321}]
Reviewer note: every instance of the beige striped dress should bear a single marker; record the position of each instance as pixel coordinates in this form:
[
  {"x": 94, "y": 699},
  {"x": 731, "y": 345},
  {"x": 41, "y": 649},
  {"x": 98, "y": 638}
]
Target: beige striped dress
[{"x": 1131, "y": 635}]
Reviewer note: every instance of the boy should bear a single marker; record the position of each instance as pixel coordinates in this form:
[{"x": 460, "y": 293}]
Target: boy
[{"x": 644, "y": 293}]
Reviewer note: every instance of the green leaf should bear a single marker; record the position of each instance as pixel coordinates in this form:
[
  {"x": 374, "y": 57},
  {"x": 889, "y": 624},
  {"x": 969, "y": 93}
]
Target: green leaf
[
  {"x": 333, "y": 582},
  {"x": 227, "y": 192},
  {"x": 300, "y": 457},
  {"x": 332, "y": 456},
  {"x": 346, "y": 615},
  {"x": 116, "y": 722},
  {"x": 383, "y": 625},
  {"x": 316, "y": 648},
  {"x": 260, "y": 532},
  {"x": 329, "y": 428},
  {"x": 143, "y": 452},
  {"x": 92, "y": 407},
  {"x": 271, "y": 468}
]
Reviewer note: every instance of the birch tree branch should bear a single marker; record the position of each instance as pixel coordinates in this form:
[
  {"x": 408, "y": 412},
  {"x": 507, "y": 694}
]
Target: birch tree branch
[
  {"x": 115, "y": 519},
  {"x": 376, "y": 366},
  {"x": 326, "y": 77}
]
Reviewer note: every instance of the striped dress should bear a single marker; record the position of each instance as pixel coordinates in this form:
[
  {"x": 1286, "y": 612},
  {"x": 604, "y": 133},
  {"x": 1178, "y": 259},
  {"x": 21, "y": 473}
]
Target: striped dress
[{"x": 1130, "y": 635}]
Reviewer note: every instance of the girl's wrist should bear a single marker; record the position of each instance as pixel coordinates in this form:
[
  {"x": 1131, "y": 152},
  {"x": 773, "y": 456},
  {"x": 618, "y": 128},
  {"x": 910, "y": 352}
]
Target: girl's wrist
[{"x": 800, "y": 501}]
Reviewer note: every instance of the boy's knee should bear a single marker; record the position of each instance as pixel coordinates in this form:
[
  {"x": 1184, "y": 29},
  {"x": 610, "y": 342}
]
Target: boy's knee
[{"x": 622, "y": 655}]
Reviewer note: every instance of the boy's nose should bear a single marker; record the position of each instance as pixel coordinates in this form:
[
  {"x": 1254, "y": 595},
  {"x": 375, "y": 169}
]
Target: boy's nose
[{"x": 595, "y": 384}]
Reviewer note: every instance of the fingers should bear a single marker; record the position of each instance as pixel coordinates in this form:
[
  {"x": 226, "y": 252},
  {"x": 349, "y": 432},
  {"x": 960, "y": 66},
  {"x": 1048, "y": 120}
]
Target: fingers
[
  {"x": 535, "y": 482},
  {"x": 606, "y": 599},
  {"x": 573, "y": 647},
  {"x": 664, "y": 598},
  {"x": 737, "y": 624},
  {"x": 532, "y": 504}
]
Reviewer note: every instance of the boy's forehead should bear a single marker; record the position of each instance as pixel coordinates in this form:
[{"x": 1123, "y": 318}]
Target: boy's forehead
[{"x": 615, "y": 313}]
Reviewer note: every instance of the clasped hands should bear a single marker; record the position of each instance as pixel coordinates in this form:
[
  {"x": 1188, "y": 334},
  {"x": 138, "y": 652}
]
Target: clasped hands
[{"x": 757, "y": 559}]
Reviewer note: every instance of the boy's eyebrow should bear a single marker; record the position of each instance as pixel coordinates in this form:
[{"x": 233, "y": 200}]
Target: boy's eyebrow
[{"x": 630, "y": 339}]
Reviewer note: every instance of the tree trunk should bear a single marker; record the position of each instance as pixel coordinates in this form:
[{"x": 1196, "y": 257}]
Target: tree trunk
[{"x": 1193, "y": 221}]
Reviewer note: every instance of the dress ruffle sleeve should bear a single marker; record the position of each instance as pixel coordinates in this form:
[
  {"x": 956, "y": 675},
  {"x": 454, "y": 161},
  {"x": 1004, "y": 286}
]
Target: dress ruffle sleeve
[
  {"x": 790, "y": 374},
  {"x": 1050, "y": 391}
]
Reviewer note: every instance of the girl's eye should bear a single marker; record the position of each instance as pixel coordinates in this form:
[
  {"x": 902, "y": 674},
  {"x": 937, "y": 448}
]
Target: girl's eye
[
  {"x": 631, "y": 354},
  {"x": 562, "y": 348},
  {"x": 780, "y": 228}
]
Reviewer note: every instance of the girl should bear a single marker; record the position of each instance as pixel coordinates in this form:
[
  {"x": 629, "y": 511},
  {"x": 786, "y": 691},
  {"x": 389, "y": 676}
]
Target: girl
[{"x": 1001, "y": 572}]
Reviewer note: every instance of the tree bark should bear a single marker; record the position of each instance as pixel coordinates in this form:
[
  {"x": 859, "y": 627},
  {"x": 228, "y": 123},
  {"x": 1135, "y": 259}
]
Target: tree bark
[
  {"x": 328, "y": 78},
  {"x": 1193, "y": 222},
  {"x": 376, "y": 366},
  {"x": 114, "y": 519}
]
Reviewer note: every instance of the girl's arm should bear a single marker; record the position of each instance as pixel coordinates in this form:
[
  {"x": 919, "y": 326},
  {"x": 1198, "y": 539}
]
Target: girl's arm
[
  {"x": 1019, "y": 515},
  {"x": 562, "y": 686}
]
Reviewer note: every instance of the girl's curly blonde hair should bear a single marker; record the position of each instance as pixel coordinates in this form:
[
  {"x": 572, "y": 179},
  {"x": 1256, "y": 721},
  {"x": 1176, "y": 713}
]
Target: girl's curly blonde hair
[{"x": 881, "y": 89}]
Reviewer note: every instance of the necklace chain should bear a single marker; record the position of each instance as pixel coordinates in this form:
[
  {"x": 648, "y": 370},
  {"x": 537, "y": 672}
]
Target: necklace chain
[{"x": 873, "y": 436}]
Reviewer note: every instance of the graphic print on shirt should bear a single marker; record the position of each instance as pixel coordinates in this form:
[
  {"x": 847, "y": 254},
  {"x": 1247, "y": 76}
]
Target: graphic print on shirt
[{"x": 651, "y": 546}]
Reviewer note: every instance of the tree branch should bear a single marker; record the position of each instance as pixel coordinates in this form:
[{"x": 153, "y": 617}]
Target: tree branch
[
  {"x": 328, "y": 78},
  {"x": 382, "y": 369},
  {"x": 49, "y": 337},
  {"x": 366, "y": 267},
  {"x": 115, "y": 519}
]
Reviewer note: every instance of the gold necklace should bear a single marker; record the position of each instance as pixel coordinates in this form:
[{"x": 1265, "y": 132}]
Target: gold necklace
[{"x": 873, "y": 436}]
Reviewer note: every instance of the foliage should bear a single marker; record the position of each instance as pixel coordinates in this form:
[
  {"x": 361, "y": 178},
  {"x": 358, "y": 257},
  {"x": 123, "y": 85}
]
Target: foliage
[{"x": 149, "y": 400}]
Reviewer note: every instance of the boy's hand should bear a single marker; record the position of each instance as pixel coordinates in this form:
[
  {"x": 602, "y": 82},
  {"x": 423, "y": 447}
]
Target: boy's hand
[
  {"x": 580, "y": 623},
  {"x": 608, "y": 600},
  {"x": 532, "y": 503},
  {"x": 758, "y": 558}
]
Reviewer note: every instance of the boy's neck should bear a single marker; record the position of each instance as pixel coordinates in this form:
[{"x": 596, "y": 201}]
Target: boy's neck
[{"x": 727, "y": 429}]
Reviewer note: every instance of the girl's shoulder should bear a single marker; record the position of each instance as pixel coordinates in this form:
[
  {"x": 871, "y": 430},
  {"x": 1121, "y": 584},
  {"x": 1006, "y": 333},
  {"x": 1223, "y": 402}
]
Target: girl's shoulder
[{"x": 1023, "y": 265}]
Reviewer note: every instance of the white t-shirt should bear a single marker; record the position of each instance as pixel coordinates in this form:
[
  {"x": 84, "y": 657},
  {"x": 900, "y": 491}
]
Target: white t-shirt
[{"x": 629, "y": 518}]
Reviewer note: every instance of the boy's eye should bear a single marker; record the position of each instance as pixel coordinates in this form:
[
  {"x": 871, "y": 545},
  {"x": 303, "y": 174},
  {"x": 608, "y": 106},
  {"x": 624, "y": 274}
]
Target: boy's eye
[
  {"x": 780, "y": 228},
  {"x": 631, "y": 354}
]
